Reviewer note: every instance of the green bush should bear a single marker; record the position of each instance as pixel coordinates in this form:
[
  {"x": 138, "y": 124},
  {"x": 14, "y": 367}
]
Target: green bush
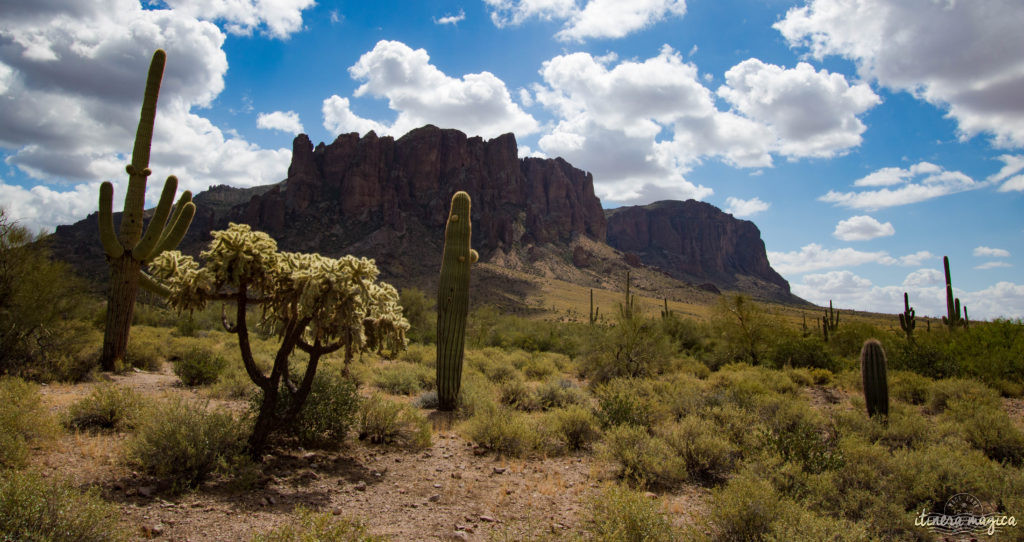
[
  {"x": 24, "y": 421},
  {"x": 634, "y": 347},
  {"x": 790, "y": 349},
  {"x": 107, "y": 407},
  {"x": 144, "y": 350},
  {"x": 744, "y": 509},
  {"x": 312, "y": 526},
  {"x": 621, "y": 514},
  {"x": 329, "y": 410},
  {"x": 404, "y": 378},
  {"x": 233, "y": 383},
  {"x": 383, "y": 421},
  {"x": 518, "y": 394},
  {"x": 559, "y": 392},
  {"x": 38, "y": 509},
  {"x": 951, "y": 389},
  {"x": 643, "y": 459},
  {"x": 419, "y": 310},
  {"x": 988, "y": 427},
  {"x": 200, "y": 366},
  {"x": 909, "y": 386},
  {"x": 709, "y": 457},
  {"x": 502, "y": 430},
  {"x": 927, "y": 356},
  {"x": 630, "y": 401},
  {"x": 574, "y": 427},
  {"x": 183, "y": 443}
]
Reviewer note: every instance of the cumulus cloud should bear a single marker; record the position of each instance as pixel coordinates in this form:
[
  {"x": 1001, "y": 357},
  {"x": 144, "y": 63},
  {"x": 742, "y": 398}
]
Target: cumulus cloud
[
  {"x": 277, "y": 18},
  {"x": 477, "y": 103},
  {"x": 992, "y": 265},
  {"x": 451, "y": 19},
  {"x": 963, "y": 57},
  {"x": 813, "y": 113},
  {"x": 592, "y": 19},
  {"x": 745, "y": 207},
  {"x": 862, "y": 228},
  {"x": 1009, "y": 175},
  {"x": 926, "y": 290},
  {"x": 77, "y": 67},
  {"x": 814, "y": 257},
  {"x": 920, "y": 182},
  {"x": 989, "y": 252},
  {"x": 42, "y": 207},
  {"x": 285, "y": 121}
]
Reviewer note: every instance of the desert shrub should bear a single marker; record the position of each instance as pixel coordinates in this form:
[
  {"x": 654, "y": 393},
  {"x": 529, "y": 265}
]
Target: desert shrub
[
  {"x": 950, "y": 389},
  {"x": 634, "y": 347},
  {"x": 798, "y": 434},
  {"x": 709, "y": 457},
  {"x": 643, "y": 459},
  {"x": 575, "y": 427},
  {"x": 621, "y": 514},
  {"x": 909, "y": 386},
  {"x": 419, "y": 354},
  {"x": 743, "y": 384},
  {"x": 686, "y": 334},
  {"x": 847, "y": 341},
  {"x": 629, "y": 401},
  {"x": 427, "y": 400},
  {"x": 822, "y": 377},
  {"x": 742, "y": 332},
  {"x": 182, "y": 442},
  {"x": 38, "y": 509},
  {"x": 518, "y": 394},
  {"x": 311, "y": 526},
  {"x": 798, "y": 524},
  {"x": 502, "y": 430},
  {"x": 744, "y": 509},
  {"x": 233, "y": 383},
  {"x": 559, "y": 392},
  {"x": 107, "y": 407},
  {"x": 475, "y": 394},
  {"x": 144, "y": 350},
  {"x": 741, "y": 426},
  {"x": 383, "y": 421},
  {"x": 989, "y": 351},
  {"x": 24, "y": 421},
  {"x": 925, "y": 356},
  {"x": 988, "y": 427},
  {"x": 681, "y": 394},
  {"x": 419, "y": 310},
  {"x": 329, "y": 410},
  {"x": 200, "y": 366},
  {"x": 930, "y": 475},
  {"x": 790, "y": 349},
  {"x": 542, "y": 365},
  {"x": 404, "y": 378}
]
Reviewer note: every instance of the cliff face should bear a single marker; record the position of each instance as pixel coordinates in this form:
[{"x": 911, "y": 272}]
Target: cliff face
[
  {"x": 356, "y": 187},
  {"x": 694, "y": 241}
]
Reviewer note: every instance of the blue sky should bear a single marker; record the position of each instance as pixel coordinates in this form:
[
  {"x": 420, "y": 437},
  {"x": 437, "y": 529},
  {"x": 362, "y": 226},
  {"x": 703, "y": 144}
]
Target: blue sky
[{"x": 865, "y": 138}]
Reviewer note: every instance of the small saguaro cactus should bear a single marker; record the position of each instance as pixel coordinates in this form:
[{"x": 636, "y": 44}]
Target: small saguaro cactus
[
  {"x": 873, "y": 373},
  {"x": 593, "y": 310},
  {"x": 907, "y": 319},
  {"x": 666, "y": 313},
  {"x": 952, "y": 320},
  {"x": 128, "y": 249},
  {"x": 453, "y": 301}
]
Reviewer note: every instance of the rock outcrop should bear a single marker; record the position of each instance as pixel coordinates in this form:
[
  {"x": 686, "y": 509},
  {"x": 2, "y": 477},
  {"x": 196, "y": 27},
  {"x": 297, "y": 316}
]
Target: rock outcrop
[{"x": 696, "y": 242}]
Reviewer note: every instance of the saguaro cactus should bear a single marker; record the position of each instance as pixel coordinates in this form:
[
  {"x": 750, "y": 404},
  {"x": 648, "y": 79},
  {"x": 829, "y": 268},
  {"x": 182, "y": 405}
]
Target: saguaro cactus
[
  {"x": 453, "y": 301},
  {"x": 873, "y": 373},
  {"x": 593, "y": 310},
  {"x": 907, "y": 320},
  {"x": 952, "y": 320},
  {"x": 129, "y": 249}
]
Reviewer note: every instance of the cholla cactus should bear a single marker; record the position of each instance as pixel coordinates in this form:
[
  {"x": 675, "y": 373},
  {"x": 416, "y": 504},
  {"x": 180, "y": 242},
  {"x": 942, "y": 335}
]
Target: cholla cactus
[
  {"x": 129, "y": 249},
  {"x": 313, "y": 303}
]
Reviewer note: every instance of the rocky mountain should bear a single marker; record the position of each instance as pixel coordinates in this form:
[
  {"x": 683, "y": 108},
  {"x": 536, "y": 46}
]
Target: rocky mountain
[
  {"x": 696, "y": 242},
  {"x": 388, "y": 199}
]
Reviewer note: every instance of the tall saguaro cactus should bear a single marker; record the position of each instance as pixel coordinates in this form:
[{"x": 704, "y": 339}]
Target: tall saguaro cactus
[
  {"x": 128, "y": 249},
  {"x": 952, "y": 320},
  {"x": 453, "y": 301},
  {"x": 907, "y": 320},
  {"x": 873, "y": 372}
]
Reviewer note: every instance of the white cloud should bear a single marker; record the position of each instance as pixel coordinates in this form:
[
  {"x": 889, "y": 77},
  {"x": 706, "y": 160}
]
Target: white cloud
[
  {"x": 862, "y": 228},
  {"x": 78, "y": 67},
  {"x": 1012, "y": 166},
  {"x": 961, "y": 56},
  {"x": 42, "y": 208},
  {"x": 814, "y": 257},
  {"x": 813, "y": 113},
  {"x": 1015, "y": 184},
  {"x": 925, "y": 288},
  {"x": 451, "y": 19},
  {"x": 478, "y": 103},
  {"x": 989, "y": 252},
  {"x": 745, "y": 207},
  {"x": 285, "y": 121},
  {"x": 920, "y": 182},
  {"x": 339, "y": 118},
  {"x": 992, "y": 265},
  {"x": 594, "y": 19},
  {"x": 277, "y": 18}
]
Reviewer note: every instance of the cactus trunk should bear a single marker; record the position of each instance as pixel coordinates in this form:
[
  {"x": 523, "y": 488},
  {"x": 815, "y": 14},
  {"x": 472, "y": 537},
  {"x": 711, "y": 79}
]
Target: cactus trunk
[
  {"x": 453, "y": 301},
  {"x": 873, "y": 373}
]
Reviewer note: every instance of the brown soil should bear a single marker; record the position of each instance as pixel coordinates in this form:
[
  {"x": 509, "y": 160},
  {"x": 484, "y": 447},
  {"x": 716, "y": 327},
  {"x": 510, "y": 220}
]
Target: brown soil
[{"x": 449, "y": 492}]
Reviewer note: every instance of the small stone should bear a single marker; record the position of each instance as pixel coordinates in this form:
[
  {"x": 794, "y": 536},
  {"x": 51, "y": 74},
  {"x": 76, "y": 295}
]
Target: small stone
[
  {"x": 269, "y": 500},
  {"x": 459, "y": 535},
  {"x": 487, "y": 519},
  {"x": 361, "y": 486},
  {"x": 457, "y": 475},
  {"x": 437, "y": 486},
  {"x": 426, "y": 455},
  {"x": 650, "y": 495},
  {"x": 508, "y": 491},
  {"x": 434, "y": 498},
  {"x": 337, "y": 511},
  {"x": 398, "y": 460},
  {"x": 146, "y": 491},
  {"x": 499, "y": 470}
]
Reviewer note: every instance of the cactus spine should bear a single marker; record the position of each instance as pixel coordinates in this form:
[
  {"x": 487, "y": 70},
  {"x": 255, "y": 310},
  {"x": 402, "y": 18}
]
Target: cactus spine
[
  {"x": 128, "y": 249},
  {"x": 873, "y": 373},
  {"x": 453, "y": 301},
  {"x": 907, "y": 320},
  {"x": 952, "y": 320}
]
